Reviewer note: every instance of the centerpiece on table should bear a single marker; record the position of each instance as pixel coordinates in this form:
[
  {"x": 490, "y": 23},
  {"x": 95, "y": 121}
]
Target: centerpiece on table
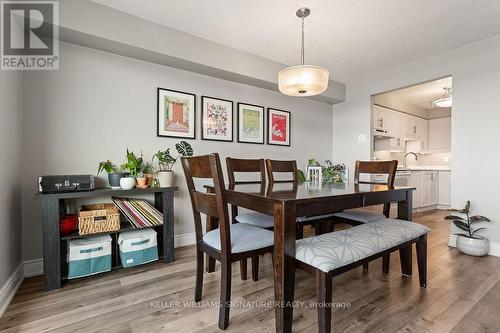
[{"x": 331, "y": 173}]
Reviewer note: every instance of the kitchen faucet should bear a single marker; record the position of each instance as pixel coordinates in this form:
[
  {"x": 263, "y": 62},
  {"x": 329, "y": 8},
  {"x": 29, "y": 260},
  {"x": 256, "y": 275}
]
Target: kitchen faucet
[{"x": 409, "y": 153}]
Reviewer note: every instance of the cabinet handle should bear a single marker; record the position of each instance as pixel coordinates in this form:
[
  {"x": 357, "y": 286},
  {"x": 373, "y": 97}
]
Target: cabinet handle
[
  {"x": 414, "y": 129},
  {"x": 381, "y": 121},
  {"x": 422, "y": 144},
  {"x": 399, "y": 142}
]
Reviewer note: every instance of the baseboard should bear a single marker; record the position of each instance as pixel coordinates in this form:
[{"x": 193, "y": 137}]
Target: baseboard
[
  {"x": 184, "y": 239},
  {"x": 10, "y": 287},
  {"x": 494, "y": 249},
  {"x": 33, "y": 267}
]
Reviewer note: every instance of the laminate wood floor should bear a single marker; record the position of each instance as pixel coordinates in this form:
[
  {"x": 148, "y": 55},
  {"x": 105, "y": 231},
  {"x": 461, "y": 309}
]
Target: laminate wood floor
[{"x": 463, "y": 295}]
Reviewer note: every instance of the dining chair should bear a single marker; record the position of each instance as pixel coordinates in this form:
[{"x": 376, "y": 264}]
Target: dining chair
[
  {"x": 252, "y": 166},
  {"x": 386, "y": 169},
  {"x": 229, "y": 242},
  {"x": 287, "y": 168}
]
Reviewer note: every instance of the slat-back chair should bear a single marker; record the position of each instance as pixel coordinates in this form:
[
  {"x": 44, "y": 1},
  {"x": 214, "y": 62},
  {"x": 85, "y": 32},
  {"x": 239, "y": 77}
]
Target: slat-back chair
[{"x": 227, "y": 243}]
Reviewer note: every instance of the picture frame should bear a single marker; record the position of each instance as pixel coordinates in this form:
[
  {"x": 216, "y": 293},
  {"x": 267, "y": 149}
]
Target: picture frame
[
  {"x": 278, "y": 127},
  {"x": 251, "y": 123},
  {"x": 176, "y": 114},
  {"x": 216, "y": 119}
]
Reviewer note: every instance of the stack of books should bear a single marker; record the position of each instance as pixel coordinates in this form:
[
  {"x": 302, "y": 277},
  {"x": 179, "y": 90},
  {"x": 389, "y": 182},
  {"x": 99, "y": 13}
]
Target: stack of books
[{"x": 140, "y": 213}]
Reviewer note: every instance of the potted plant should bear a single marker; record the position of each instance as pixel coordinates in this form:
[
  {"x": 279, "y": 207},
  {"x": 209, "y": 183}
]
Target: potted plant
[
  {"x": 148, "y": 171},
  {"x": 114, "y": 174},
  {"x": 133, "y": 166},
  {"x": 142, "y": 181},
  {"x": 165, "y": 174},
  {"x": 469, "y": 242}
]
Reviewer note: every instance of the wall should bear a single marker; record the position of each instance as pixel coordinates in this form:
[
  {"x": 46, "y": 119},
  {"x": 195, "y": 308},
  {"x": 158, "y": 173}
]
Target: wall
[
  {"x": 10, "y": 164},
  {"x": 98, "y": 104},
  {"x": 475, "y": 136}
]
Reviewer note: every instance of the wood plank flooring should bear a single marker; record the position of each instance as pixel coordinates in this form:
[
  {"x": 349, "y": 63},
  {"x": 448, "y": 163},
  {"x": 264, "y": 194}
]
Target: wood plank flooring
[{"x": 463, "y": 295}]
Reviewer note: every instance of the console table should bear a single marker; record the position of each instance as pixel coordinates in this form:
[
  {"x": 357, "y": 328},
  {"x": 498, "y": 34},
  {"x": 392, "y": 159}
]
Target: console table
[{"x": 55, "y": 246}]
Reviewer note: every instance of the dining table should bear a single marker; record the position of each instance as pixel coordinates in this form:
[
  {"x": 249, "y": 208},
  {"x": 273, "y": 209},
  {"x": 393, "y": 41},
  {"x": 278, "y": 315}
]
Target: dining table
[{"x": 288, "y": 200}]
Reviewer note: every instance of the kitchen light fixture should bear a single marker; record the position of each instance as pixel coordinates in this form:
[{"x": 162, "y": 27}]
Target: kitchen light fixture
[
  {"x": 446, "y": 101},
  {"x": 303, "y": 80}
]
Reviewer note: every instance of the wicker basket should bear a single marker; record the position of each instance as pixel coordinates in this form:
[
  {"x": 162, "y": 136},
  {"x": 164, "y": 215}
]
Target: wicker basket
[{"x": 93, "y": 219}]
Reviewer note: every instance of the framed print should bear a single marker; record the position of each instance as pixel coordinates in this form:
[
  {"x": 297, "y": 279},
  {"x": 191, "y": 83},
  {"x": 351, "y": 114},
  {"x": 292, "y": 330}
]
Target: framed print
[
  {"x": 216, "y": 119},
  {"x": 250, "y": 123},
  {"x": 278, "y": 127},
  {"x": 176, "y": 114}
]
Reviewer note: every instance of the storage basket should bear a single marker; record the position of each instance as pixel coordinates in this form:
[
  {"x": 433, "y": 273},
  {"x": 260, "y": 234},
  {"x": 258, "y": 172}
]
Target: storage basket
[{"x": 98, "y": 218}]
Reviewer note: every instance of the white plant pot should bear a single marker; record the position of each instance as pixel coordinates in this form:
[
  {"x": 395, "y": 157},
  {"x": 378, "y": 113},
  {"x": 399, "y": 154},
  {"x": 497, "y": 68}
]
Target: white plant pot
[
  {"x": 165, "y": 178},
  {"x": 127, "y": 183},
  {"x": 472, "y": 246}
]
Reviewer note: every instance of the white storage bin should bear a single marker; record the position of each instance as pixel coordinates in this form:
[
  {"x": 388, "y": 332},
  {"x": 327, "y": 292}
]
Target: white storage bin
[
  {"x": 89, "y": 256},
  {"x": 138, "y": 247}
]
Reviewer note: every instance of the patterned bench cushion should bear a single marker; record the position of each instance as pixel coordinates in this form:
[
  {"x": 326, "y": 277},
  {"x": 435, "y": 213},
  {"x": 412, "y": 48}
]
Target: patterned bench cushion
[
  {"x": 337, "y": 249},
  {"x": 360, "y": 215}
]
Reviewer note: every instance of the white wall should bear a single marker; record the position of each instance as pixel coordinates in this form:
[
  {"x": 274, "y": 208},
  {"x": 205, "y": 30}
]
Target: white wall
[
  {"x": 475, "y": 135},
  {"x": 98, "y": 104},
  {"x": 10, "y": 165}
]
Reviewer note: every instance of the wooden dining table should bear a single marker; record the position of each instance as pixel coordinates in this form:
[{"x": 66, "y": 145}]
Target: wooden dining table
[{"x": 288, "y": 200}]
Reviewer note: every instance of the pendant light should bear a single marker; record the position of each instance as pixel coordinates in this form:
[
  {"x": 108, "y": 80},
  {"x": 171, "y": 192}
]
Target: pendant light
[
  {"x": 446, "y": 101},
  {"x": 303, "y": 80}
]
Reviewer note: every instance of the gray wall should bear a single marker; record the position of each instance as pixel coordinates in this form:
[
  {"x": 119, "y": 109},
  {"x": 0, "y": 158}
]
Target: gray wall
[
  {"x": 475, "y": 136},
  {"x": 99, "y": 103},
  {"x": 10, "y": 164}
]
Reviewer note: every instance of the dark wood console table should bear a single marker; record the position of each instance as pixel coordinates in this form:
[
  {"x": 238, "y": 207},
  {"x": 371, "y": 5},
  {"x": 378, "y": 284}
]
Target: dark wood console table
[{"x": 55, "y": 246}]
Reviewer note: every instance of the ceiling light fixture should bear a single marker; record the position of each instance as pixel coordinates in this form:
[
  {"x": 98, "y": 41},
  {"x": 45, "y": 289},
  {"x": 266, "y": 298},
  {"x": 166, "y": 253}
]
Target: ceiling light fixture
[
  {"x": 446, "y": 101},
  {"x": 303, "y": 80}
]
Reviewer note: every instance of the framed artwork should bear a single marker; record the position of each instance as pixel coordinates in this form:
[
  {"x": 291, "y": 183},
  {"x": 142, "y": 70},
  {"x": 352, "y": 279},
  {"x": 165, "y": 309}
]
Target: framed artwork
[
  {"x": 250, "y": 123},
  {"x": 217, "y": 119},
  {"x": 176, "y": 114},
  {"x": 278, "y": 127}
]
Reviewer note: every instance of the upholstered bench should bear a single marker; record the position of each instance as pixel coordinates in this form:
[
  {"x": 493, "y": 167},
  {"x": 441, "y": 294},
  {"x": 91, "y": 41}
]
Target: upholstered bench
[{"x": 334, "y": 253}]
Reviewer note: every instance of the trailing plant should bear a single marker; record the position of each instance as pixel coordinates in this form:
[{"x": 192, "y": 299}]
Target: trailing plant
[
  {"x": 134, "y": 164},
  {"x": 108, "y": 166},
  {"x": 166, "y": 161},
  {"x": 300, "y": 175},
  {"x": 465, "y": 224}
]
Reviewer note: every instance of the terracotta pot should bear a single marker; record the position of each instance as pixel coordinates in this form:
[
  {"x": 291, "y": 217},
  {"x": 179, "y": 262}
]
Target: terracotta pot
[
  {"x": 165, "y": 178},
  {"x": 142, "y": 182},
  {"x": 149, "y": 178},
  {"x": 477, "y": 246}
]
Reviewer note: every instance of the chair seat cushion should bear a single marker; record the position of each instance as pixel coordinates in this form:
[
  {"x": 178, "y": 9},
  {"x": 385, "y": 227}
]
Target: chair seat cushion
[
  {"x": 360, "y": 215},
  {"x": 304, "y": 219},
  {"x": 256, "y": 219},
  {"x": 337, "y": 249},
  {"x": 244, "y": 237}
]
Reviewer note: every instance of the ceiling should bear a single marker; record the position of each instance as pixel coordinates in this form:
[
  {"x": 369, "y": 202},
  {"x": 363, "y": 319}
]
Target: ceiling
[
  {"x": 419, "y": 96},
  {"x": 352, "y": 38}
]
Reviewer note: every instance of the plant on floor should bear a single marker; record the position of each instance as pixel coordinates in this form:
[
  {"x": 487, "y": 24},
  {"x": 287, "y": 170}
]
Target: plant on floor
[{"x": 469, "y": 242}]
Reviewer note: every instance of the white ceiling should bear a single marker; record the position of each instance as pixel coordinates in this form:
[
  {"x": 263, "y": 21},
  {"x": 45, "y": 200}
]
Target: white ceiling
[
  {"x": 352, "y": 38},
  {"x": 421, "y": 95}
]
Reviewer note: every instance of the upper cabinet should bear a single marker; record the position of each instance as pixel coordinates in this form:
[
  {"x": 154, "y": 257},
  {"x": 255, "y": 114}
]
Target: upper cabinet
[{"x": 440, "y": 135}]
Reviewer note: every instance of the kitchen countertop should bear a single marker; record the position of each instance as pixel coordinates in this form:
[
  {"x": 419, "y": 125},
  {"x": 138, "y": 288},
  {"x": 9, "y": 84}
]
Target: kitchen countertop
[{"x": 426, "y": 168}]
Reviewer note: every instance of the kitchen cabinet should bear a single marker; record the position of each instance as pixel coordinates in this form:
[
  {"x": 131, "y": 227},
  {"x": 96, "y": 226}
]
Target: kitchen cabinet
[
  {"x": 382, "y": 117},
  {"x": 429, "y": 188},
  {"x": 416, "y": 180},
  {"x": 440, "y": 135},
  {"x": 444, "y": 189}
]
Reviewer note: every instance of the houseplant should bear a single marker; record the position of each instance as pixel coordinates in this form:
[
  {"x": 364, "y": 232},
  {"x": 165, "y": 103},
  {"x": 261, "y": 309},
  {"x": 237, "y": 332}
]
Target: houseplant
[
  {"x": 165, "y": 174},
  {"x": 469, "y": 242},
  {"x": 114, "y": 174},
  {"x": 148, "y": 171},
  {"x": 331, "y": 173},
  {"x": 133, "y": 165}
]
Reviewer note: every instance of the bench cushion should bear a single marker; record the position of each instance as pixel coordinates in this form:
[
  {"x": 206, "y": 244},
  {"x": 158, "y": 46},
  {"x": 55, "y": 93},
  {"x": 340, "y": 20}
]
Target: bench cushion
[
  {"x": 360, "y": 215},
  {"x": 257, "y": 219},
  {"x": 337, "y": 249},
  {"x": 244, "y": 238}
]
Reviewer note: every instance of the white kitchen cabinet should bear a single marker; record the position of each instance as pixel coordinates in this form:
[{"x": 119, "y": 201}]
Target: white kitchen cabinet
[
  {"x": 444, "y": 189},
  {"x": 429, "y": 188},
  {"x": 440, "y": 135},
  {"x": 416, "y": 180},
  {"x": 382, "y": 117}
]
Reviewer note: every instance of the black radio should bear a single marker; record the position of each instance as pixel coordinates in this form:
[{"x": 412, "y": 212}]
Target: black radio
[{"x": 65, "y": 183}]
